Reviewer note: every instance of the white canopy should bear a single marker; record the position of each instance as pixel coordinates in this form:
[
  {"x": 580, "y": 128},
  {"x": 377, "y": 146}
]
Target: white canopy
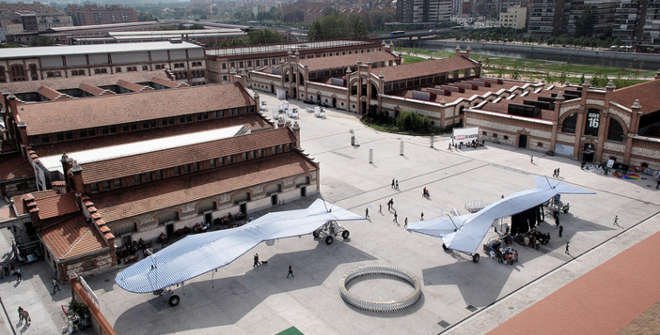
[
  {"x": 197, "y": 254},
  {"x": 465, "y": 233}
]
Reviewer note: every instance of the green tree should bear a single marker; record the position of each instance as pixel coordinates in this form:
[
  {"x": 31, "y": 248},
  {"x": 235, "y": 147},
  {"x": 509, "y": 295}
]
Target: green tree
[{"x": 584, "y": 24}]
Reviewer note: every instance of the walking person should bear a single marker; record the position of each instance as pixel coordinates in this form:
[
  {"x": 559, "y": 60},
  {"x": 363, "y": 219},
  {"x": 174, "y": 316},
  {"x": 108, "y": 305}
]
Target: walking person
[
  {"x": 256, "y": 261},
  {"x": 380, "y": 209},
  {"x": 557, "y": 172},
  {"x": 405, "y": 222},
  {"x": 616, "y": 221},
  {"x": 19, "y": 274},
  {"x": 20, "y": 314},
  {"x": 422, "y": 216},
  {"x": 396, "y": 185},
  {"x": 26, "y": 317},
  {"x": 56, "y": 285},
  {"x": 392, "y": 182},
  {"x": 290, "y": 273},
  {"x": 366, "y": 213},
  {"x": 561, "y": 230},
  {"x": 396, "y": 217},
  {"x": 566, "y": 251},
  {"x": 531, "y": 158}
]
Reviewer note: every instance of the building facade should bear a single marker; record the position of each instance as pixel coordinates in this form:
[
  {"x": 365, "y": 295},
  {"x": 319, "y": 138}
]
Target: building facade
[
  {"x": 18, "y": 18},
  {"x": 90, "y": 14},
  {"x": 149, "y": 165},
  {"x": 423, "y": 11},
  {"x": 221, "y": 64},
  {"x": 183, "y": 60},
  {"x": 584, "y": 123},
  {"x": 515, "y": 17}
]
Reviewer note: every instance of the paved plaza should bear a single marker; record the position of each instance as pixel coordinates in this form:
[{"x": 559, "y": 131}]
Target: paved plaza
[{"x": 459, "y": 296}]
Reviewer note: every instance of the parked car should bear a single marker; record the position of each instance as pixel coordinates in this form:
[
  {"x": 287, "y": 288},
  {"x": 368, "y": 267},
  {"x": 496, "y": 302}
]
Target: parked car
[
  {"x": 319, "y": 112},
  {"x": 293, "y": 113}
]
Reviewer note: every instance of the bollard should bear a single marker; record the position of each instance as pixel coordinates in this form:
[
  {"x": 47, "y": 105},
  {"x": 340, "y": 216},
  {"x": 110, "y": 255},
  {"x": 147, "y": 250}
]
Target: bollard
[
  {"x": 371, "y": 155},
  {"x": 401, "y": 148}
]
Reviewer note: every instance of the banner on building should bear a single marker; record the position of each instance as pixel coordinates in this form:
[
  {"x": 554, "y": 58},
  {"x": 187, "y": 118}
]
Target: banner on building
[{"x": 465, "y": 135}]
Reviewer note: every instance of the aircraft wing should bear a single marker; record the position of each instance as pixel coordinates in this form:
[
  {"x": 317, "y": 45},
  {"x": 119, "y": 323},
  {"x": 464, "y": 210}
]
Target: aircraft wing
[
  {"x": 197, "y": 254},
  {"x": 438, "y": 227}
]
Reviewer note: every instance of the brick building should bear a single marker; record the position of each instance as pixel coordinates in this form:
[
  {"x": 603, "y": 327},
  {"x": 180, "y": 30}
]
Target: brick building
[
  {"x": 222, "y": 63},
  {"x": 184, "y": 60},
  {"x": 581, "y": 122},
  {"x": 148, "y": 164}
]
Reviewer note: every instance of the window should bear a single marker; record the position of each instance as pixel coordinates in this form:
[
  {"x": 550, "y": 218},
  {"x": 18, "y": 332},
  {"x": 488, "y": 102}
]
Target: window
[
  {"x": 615, "y": 131},
  {"x": 34, "y": 75},
  {"x": 78, "y": 73},
  {"x": 45, "y": 139},
  {"x": 100, "y": 70},
  {"x": 196, "y": 64},
  {"x": 179, "y": 65},
  {"x": 131, "y": 68},
  {"x": 116, "y": 183},
  {"x": 17, "y": 73},
  {"x": 484, "y": 133},
  {"x": 505, "y": 137},
  {"x": 494, "y": 135},
  {"x": 224, "y": 78},
  {"x": 224, "y": 66},
  {"x": 53, "y": 74},
  {"x": 3, "y": 74},
  {"x": 159, "y": 66},
  {"x": 145, "y": 177},
  {"x": 539, "y": 144},
  {"x": 145, "y": 67},
  {"x": 569, "y": 124},
  {"x": 118, "y": 69},
  {"x": 249, "y": 63}
]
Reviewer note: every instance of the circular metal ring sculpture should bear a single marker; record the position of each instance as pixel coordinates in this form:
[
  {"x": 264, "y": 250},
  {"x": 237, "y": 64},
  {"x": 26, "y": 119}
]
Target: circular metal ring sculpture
[{"x": 381, "y": 306}]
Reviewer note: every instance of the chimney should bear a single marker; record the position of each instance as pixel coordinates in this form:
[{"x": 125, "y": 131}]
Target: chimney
[
  {"x": 75, "y": 176},
  {"x": 610, "y": 86},
  {"x": 458, "y": 50},
  {"x": 59, "y": 186},
  {"x": 295, "y": 129}
]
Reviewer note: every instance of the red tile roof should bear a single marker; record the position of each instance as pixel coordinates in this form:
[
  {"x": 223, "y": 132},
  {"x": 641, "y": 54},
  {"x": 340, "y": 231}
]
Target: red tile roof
[
  {"x": 176, "y": 191},
  {"x": 648, "y": 94},
  {"x": 168, "y": 83},
  {"x": 252, "y": 121},
  {"x": 94, "y": 90},
  {"x": 58, "y": 116},
  {"x": 15, "y": 166},
  {"x": 52, "y": 94},
  {"x": 426, "y": 68},
  {"x": 56, "y": 205},
  {"x": 133, "y": 165},
  {"x": 71, "y": 238},
  {"x": 343, "y": 61},
  {"x": 133, "y": 86}
]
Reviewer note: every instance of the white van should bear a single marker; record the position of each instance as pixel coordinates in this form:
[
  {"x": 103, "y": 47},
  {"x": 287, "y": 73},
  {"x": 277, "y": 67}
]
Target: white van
[{"x": 293, "y": 113}]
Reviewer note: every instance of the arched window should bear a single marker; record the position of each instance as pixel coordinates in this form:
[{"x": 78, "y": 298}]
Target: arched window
[
  {"x": 569, "y": 124},
  {"x": 615, "y": 131},
  {"x": 17, "y": 72}
]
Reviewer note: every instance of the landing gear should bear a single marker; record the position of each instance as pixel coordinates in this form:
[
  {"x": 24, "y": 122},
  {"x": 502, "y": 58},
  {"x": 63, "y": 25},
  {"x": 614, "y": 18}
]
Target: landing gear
[
  {"x": 174, "y": 300},
  {"x": 330, "y": 231},
  {"x": 475, "y": 258}
]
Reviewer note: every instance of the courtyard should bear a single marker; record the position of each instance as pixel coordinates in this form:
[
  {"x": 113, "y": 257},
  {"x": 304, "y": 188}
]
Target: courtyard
[{"x": 459, "y": 296}]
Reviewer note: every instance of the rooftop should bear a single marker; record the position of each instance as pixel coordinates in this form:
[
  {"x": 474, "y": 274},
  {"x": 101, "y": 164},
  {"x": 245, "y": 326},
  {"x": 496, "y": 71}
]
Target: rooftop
[
  {"x": 106, "y": 110},
  {"x": 647, "y": 92},
  {"x": 50, "y": 204},
  {"x": 426, "y": 68},
  {"x": 181, "y": 154},
  {"x": 101, "y": 26},
  {"x": 15, "y": 166},
  {"x": 343, "y": 61},
  {"x": 72, "y": 237},
  {"x": 449, "y": 92},
  {"x": 252, "y": 121},
  {"x": 281, "y": 48},
  {"x": 63, "y": 50},
  {"x": 99, "y": 154},
  {"x": 171, "y": 192}
]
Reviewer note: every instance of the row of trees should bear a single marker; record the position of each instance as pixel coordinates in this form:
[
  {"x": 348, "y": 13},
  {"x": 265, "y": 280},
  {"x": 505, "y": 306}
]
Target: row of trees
[
  {"x": 507, "y": 34},
  {"x": 254, "y": 37},
  {"x": 335, "y": 25},
  {"x": 404, "y": 122}
]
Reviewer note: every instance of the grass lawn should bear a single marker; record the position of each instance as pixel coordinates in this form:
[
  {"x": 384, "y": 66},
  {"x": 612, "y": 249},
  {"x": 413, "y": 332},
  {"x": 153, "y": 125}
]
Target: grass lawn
[
  {"x": 411, "y": 59},
  {"x": 542, "y": 65}
]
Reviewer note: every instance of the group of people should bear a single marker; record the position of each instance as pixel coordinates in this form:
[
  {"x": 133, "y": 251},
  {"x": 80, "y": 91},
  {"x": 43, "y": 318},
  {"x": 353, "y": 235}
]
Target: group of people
[
  {"x": 395, "y": 184},
  {"x": 555, "y": 173},
  {"x": 258, "y": 263}
]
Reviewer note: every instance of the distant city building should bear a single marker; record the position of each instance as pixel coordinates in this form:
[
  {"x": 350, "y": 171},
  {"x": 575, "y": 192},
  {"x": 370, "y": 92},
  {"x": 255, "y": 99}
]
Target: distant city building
[
  {"x": 651, "y": 27},
  {"x": 18, "y": 18},
  {"x": 89, "y": 14},
  {"x": 183, "y": 60},
  {"x": 419, "y": 11},
  {"x": 546, "y": 16},
  {"x": 630, "y": 16},
  {"x": 602, "y": 11},
  {"x": 515, "y": 17}
]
